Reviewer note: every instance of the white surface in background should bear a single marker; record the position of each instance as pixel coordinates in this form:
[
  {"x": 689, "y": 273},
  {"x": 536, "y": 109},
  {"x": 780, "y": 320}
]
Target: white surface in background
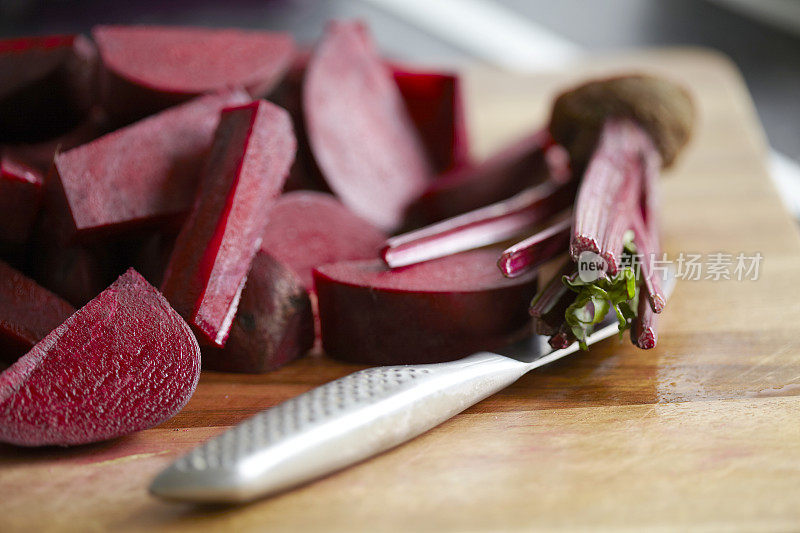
[{"x": 502, "y": 37}]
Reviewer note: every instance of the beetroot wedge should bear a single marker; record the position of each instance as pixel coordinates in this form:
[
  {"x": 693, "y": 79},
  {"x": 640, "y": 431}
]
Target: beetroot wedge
[
  {"x": 309, "y": 229},
  {"x": 123, "y": 363},
  {"x": 429, "y": 312},
  {"x": 274, "y": 323},
  {"x": 139, "y": 175},
  {"x": 28, "y": 312},
  {"x": 358, "y": 128},
  {"x": 513, "y": 169},
  {"x": 435, "y": 105},
  {"x": 20, "y": 198},
  {"x": 253, "y": 149},
  {"x": 46, "y": 85},
  {"x": 149, "y": 68}
]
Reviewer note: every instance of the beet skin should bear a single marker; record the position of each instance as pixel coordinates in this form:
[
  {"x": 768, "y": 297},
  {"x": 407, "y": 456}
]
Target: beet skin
[
  {"x": 429, "y": 312},
  {"x": 123, "y": 363}
]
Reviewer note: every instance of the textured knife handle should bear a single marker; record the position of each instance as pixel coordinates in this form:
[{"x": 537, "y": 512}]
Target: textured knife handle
[{"x": 331, "y": 427}]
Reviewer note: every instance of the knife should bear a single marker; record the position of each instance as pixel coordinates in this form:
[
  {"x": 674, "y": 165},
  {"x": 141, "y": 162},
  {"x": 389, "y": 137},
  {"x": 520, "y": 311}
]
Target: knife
[{"x": 346, "y": 421}]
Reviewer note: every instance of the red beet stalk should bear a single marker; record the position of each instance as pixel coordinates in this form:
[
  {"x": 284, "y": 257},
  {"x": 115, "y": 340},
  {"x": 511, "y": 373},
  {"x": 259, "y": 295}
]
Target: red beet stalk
[
  {"x": 609, "y": 192},
  {"x": 647, "y": 253},
  {"x": 549, "y": 306},
  {"x": 488, "y": 225},
  {"x": 535, "y": 250}
]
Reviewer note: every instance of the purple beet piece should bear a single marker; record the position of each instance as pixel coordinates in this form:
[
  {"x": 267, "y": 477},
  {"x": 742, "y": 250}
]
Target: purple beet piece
[
  {"x": 20, "y": 199},
  {"x": 429, "y": 312},
  {"x": 28, "y": 312},
  {"x": 149, "y": 68},
  {"x": 436, "y": 107},
  {"x": 46, "y": 85},
  {"x": 274, "y": 323},
  {"x": 140, "y": 175},
  {"x": 358, "y": 127},
  {"x": 123, "y": 363},
  {"x": 308, "y": 229},
  {"x": 253, "y": 149},
  {"x": 508, "y": 172}
]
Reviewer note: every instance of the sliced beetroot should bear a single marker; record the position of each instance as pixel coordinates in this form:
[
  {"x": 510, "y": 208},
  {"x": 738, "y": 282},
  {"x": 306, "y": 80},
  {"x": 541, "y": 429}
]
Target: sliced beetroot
[
  {"x": 20, "y": 199},
  {"x": 435, "y": 105},
  {"x": 309, "y": 229},
  {"x": 246, "y": 169},
  {"x": 28, "y": 312},
  {"x": 274, "y": 323},
  {"x": 359, "y": 129},
  {"x": 46, "y": 85},
  {"x": 140, "y": 175},
  {"x": 149, "y": 68},
  {"x": 503, "y": 175},
  {"x": 123, "y": 363},
  {"x": 429, "y": 312}
]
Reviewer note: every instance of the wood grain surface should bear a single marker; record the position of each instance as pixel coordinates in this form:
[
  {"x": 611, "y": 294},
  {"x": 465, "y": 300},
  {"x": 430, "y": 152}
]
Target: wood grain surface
[{"x": 702, "y": 433}]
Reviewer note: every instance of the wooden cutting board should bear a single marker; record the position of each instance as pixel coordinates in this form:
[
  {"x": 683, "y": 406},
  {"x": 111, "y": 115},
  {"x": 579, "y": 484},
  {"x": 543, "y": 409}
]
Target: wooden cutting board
[{"x": 701, "y": 433}]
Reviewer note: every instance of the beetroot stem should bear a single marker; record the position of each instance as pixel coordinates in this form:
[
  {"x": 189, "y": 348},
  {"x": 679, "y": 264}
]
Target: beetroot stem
[
  {"x": 488, "y": 225},
  {"x": 535, "y": 250}
]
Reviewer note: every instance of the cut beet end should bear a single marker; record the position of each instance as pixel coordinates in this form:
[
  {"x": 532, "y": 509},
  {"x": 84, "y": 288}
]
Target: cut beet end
[
  {"x": 28, "y": 312},
  {"x": 503, "y": 175},
  {"x": 274, "y": 323},
  {"x": 435, "y": 105},
  {"x": 123, "y": 363},
  {"x": 140, "y": 175},
  {"x": 358, "y": 128},
  {"x": 46, "y": 86},
  {"x": 430, "y": 312},
  {"x": 253, "y": 149},
  {"x": 149, "y": 68},
  {"x": 309, "y": 229},
  {"x": 20, "y": 199}
]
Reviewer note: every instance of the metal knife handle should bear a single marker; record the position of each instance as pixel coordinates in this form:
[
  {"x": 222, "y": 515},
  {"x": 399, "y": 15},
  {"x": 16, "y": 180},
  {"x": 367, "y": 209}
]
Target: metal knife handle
[{"x": 331, "y": 427}]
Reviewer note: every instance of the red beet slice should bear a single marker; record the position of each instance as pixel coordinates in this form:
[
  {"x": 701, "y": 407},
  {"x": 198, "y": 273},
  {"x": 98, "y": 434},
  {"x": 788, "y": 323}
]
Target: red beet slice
[
  {"x": 429, "y": 312},
  {"x": 46, "y": 85},
  {"x": 28, "y": 312},
  {"x": 20, "y": 198},
  {"x": 149, "y": 68},
  {"x": 248, "y": 164},
  {"x": 359, "y": 130},
  {"x": 274, "y": 322},
  {"x": 309, "y": 229},
  {"x": 123, "y": 363},
  {"x": 435, "y": 104},
  {"x": 503, "y": 175},
  {"x": 140, "y": 175}
]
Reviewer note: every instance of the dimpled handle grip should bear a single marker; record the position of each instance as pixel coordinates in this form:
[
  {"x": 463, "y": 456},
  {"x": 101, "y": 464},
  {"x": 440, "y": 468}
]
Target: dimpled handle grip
[{"x": 331, "y": 427}]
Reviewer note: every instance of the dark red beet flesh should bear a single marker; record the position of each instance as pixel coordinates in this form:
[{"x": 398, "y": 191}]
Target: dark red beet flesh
[
  {"x": 253, "y": 149},
  {"x": 435, "y": 105},
  {"x": 503, "y": 175},
  {"x": 434, "y": 311},
  {"x": 45, "y": 85},
  {"x": 142, "y": 174},
  {"x": 123, "y": 363},
  {"x": 358, "y": 128},
  {"x": 149, "y": 68},
  {"x": 274, "y": 323},
  {"x": 28, "y": 312},
  {"x": 20, "y": 198},
  {"x": 309, "y": 229}
]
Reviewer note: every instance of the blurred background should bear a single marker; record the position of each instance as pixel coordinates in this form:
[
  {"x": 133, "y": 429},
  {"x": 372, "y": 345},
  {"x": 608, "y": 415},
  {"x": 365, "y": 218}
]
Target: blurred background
[{"x": 761, "y": 36}]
